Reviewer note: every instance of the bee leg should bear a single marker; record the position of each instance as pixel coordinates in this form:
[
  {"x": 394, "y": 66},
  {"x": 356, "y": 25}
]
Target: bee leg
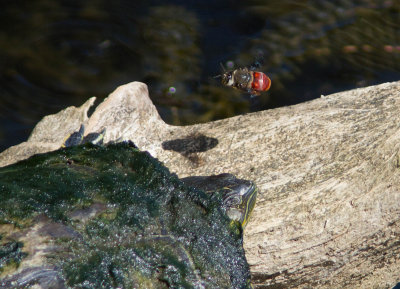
[{"x": 253, "y": 93}]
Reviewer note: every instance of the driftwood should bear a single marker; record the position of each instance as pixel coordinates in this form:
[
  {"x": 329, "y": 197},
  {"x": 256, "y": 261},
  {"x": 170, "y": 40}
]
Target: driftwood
[{"x": 328, "y": 209}]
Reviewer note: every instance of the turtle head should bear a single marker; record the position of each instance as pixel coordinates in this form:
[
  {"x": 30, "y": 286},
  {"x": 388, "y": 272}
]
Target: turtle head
[
  {"x": 239, "y": 200},
  {"x": 78, "y": 138},
  {"x": 238, "y": 195}
]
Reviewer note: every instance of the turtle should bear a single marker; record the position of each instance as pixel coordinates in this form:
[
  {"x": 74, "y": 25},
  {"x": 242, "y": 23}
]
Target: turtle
[{"x": 94, "y": 215}]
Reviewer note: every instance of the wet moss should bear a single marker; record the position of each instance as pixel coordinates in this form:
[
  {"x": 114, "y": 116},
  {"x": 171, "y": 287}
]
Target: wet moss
[
  {"x": 154, "y": 231},
  {"x": 10, "y": 255}
]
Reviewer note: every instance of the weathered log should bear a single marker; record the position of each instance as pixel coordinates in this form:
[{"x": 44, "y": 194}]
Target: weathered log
[{"x": 328, "y": 210}]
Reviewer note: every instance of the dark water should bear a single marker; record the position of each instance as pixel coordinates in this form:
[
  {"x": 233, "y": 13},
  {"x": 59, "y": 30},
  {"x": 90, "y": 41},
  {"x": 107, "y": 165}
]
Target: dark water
[{"x": 59, "y": 53}]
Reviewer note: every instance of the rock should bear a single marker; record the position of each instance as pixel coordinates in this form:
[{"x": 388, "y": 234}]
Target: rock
[
  {"x": 49, "y": 134},
  {"x": 327, "y": 214},
  {"x": 113, "y": 217}
]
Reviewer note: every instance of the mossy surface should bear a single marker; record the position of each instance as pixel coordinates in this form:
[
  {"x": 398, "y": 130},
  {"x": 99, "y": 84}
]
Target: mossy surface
[
  {"x": 10, "y": 255},
  {"x": 153, "y": 231}
]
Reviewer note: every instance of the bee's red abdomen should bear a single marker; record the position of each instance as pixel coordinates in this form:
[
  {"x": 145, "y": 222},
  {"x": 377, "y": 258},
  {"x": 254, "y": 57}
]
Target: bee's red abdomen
[{"x": 261, "y": 81}]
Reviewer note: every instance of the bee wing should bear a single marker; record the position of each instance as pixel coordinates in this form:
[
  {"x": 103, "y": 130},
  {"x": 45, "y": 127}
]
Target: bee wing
[{"x": 258, "y": 61}]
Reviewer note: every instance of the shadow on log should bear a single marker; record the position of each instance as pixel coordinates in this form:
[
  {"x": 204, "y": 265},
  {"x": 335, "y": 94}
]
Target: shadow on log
[{"x": 328, "y": 210}]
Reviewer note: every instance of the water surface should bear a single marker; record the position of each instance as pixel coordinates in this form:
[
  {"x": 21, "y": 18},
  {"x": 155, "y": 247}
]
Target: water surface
[{"x": 60, "y": 53}]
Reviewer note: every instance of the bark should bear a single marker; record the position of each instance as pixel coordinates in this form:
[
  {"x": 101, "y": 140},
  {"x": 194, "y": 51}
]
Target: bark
[{"x": 327, "y": 213}]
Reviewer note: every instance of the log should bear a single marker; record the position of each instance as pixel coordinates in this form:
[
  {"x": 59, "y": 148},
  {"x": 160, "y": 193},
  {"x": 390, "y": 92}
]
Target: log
[{"x": 328, "y": 208}]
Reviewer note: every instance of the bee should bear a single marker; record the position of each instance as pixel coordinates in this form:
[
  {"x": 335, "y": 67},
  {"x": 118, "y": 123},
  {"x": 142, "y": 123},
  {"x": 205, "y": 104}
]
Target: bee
[{"x": 247, "y": 80}]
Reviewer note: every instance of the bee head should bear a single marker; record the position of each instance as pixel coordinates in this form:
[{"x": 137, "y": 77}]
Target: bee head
[{"x": 227, "y": 78}]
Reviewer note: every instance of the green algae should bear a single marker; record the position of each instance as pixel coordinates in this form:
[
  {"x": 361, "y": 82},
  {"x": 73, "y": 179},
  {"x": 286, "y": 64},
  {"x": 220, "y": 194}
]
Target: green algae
[
  {"x": 153, "y": 232},
  {"x": 10, "y": 255}
]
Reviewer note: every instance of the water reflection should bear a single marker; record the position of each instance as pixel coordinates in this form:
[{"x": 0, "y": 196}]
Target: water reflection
[{"x": 59, "y": 53}]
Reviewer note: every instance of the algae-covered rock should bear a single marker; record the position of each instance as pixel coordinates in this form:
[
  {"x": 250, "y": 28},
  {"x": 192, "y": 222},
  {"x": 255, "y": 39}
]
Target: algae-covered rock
[{"x": 112, "y": 217}]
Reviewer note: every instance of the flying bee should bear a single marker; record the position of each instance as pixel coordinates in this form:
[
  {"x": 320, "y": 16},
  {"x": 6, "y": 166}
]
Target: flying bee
[{"x": 247, "y": 80}]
